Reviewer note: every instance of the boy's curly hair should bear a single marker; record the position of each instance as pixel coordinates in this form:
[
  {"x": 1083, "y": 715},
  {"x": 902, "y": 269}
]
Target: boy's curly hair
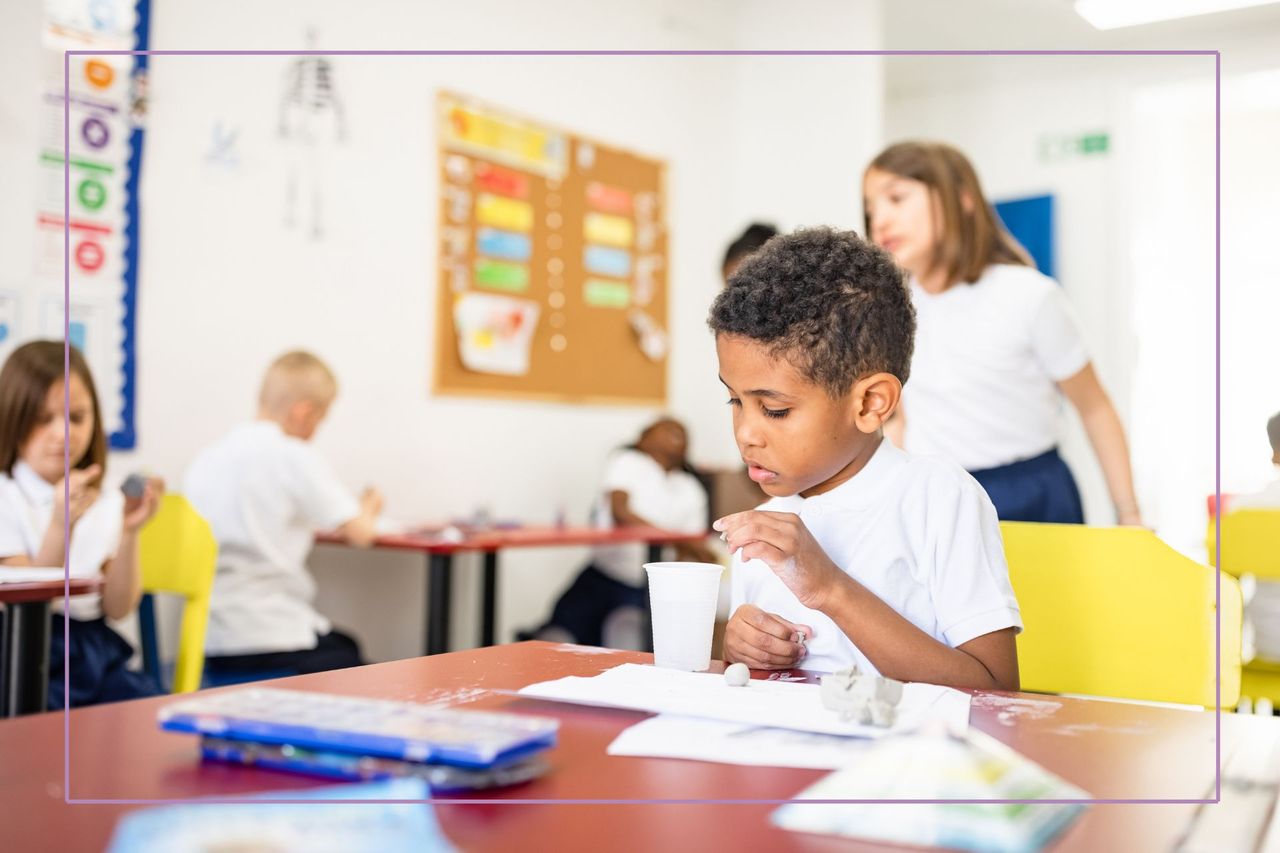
[{"x": 831, "y": 303}]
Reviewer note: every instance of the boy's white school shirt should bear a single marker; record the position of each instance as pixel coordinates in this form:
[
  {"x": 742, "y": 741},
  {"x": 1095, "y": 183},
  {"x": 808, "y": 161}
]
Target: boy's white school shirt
[
  {"x": 672, "y": 500},
  {"x": 919, "y": 533},
  {"x": 26, "y": 507},
  {"x": 1263, "y": 610},
  {"x": 988, "y": 356},
  {"x": 265, "y": 494}
]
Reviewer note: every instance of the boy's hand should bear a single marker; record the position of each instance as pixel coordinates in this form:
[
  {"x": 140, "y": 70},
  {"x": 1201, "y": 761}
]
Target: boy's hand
[
  {"x": 138, "y": 511},
  {"x": 782, "y": 541},
  {"x": 80, "y": 494},
  {"x": 763, "y": 640}
]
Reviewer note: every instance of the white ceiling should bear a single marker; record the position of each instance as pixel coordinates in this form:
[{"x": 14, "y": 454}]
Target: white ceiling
[{"x": 1047, "y": 25}]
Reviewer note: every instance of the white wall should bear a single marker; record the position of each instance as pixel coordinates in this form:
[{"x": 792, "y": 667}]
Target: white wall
[
  {"x": 1001, "y": 123},
  {"x": 1135, "y": 244},
  {"x": 224, "y": 287}
]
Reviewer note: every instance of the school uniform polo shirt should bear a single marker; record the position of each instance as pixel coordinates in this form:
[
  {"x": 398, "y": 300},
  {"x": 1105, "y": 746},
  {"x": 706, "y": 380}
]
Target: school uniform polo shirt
[
  {"x": 264, "y": 495},
  {"x": 988, "y": 356},
  {"x": 1263, "y": 609},
  {"x": 919, "y": 533},
  {"x": 672, "y": 500},
  {"x": 26, "y": 507}
]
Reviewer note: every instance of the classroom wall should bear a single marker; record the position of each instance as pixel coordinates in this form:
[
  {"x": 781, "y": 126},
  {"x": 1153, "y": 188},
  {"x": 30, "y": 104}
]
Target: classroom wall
[
  {"x": 225, "y": 287},
  {"x": 1000, "y": 126}
]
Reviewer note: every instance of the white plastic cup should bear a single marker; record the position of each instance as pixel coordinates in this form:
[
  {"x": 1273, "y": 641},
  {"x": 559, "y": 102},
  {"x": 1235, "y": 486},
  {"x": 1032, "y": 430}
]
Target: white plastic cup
[{"x": 682, "y": 600}]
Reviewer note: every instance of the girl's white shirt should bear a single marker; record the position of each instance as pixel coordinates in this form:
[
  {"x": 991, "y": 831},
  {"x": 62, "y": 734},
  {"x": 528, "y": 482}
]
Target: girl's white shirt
[
  {"x": 988, "y": 356},
  {"x": 26, "y": 508}
]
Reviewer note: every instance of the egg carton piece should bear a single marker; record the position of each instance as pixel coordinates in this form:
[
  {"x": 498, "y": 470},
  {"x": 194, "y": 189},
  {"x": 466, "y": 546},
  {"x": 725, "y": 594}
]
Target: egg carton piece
[{"x": 857, "y": 697}]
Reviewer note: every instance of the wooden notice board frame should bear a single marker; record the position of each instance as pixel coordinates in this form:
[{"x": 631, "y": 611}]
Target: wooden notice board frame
[{"x": 552, "y": 275}]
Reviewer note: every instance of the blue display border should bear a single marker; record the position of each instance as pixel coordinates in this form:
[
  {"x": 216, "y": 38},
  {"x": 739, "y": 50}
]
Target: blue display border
[{"x": 126, "y": 438}]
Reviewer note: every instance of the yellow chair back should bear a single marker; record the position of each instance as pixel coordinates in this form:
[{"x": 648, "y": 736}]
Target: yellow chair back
[
  {"x": 1250, "y": 543},
  {"x": 179, "y": 556},
  {"x": 1113, "y": 611}
]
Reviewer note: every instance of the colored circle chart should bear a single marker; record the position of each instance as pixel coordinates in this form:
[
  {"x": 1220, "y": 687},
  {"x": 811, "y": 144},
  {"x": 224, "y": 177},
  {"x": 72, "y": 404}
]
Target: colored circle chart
[
  {"x": 99, "y": 73},
  {"x": 89, "y": 256},
  {"x": 95, "y": 132},
  {"x": 92, "y": 193}
]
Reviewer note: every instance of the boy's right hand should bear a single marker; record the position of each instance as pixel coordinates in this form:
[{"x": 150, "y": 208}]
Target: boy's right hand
[
  {"x": 763, "y": 640},
  {"x": 80, "y": 493}
]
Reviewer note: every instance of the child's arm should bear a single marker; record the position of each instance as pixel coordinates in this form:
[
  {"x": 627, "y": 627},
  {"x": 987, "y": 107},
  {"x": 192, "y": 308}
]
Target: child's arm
[
  {"x": 897, "y": 648},
  {"x": 122, "y": 574},
  {"x": 619, "y": 506},
  {"x": 1106, "y": 434},
  {"x": 362, "y": 530},
  {"x": 82, "y": 494}
]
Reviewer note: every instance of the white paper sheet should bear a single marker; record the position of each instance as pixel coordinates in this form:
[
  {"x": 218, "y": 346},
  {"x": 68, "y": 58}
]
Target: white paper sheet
[
  {"x": 773, "y": 704},
  {"x": 673, "y": 736},
  {"x": 26, "y": 574}
]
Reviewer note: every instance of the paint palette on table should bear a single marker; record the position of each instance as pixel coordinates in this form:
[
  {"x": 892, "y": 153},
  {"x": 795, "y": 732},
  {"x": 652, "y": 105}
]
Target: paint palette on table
[{"x": 404, "y": 731}]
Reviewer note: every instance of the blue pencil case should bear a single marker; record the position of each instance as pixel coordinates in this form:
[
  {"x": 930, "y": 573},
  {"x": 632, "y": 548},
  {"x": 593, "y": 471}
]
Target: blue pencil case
[
  {"x": 443, "y": 779},
  {"x": 377, "y": 727}
]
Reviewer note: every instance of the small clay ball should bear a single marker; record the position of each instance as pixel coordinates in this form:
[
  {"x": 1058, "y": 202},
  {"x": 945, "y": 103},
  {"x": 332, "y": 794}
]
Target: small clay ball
[{"x": 737, "y": 675}]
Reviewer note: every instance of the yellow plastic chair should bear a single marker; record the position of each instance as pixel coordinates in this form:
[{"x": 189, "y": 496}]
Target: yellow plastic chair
[
  {"x": 179, "y": 556},
  {"x": 1251, "y": 546},
  {"x": 1113, "y": 611}
]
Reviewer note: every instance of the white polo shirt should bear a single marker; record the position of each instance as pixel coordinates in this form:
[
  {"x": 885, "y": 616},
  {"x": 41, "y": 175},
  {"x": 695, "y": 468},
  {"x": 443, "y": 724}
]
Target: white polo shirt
[
  {"x": 26, "y": 508},
  {"x": 920, "y": 534},
  {"x": 672, "y": 500},
  {"x": 988, "y": 355},
  {"x": 264, "y": 495},
  {"x": 1263, "y": 610}
]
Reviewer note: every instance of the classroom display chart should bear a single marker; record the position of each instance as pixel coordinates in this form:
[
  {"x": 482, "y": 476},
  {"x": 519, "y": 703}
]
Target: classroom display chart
[
  {"x": 553, "y": 259},
  {"x": 104, "y": 142}
]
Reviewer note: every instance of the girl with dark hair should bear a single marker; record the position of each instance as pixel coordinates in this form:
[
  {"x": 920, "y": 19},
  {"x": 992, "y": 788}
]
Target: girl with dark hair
[{"x": 47, "y": 421}]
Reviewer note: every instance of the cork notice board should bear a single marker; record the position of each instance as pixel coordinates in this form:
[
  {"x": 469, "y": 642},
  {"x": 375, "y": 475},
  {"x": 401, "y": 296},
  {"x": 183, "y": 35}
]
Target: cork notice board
[{"x": 553, "y": 261}]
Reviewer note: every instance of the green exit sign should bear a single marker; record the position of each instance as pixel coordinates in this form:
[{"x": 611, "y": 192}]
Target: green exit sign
[{"x": 1063, "y": 146}]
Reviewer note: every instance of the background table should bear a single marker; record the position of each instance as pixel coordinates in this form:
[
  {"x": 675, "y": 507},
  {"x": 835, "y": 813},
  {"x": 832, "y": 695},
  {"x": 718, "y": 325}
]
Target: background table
[
  {"x": 440, "y": 554},
  {"x": 24, "y": 644},
  {"x": 1111, "y": 750}
]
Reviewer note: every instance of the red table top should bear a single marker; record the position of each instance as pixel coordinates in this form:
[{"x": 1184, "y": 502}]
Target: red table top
[
  {"x": 522, "y": 537},
  {"x": 22, "y": 593},
  {"x": 1111, "y": 750}
]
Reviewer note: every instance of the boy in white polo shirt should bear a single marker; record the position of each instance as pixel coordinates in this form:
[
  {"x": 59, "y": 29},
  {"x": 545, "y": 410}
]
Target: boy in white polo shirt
[
  {"x": 864, "y": 555},
  {"x": 265, "y": 492}
]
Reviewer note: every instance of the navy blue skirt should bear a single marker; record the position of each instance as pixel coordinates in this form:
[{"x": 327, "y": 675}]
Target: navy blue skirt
[
  {"x": 99, "y": 660},
  {"x": 1036, "y": 489}
]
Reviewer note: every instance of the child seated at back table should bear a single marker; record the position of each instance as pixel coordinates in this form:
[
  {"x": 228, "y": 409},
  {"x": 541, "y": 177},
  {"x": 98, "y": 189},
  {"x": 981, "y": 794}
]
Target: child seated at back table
[
  {"x": 265, "y": 492},
  {"x": 864, "y": 555},
  {"x": 647, "y": 484}
]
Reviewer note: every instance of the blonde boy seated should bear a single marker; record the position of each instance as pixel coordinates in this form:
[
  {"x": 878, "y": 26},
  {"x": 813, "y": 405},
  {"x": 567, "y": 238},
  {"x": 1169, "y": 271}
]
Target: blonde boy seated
[
  {"x": 265, "y": 492},
  {"x": 863, "y": 555}
]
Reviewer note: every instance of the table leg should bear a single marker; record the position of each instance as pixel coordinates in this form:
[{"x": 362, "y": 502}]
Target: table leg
[
  {"x": 489, "y": 598},
  {"x": 646, "y": 622},
  {"x": 439, "y": 574},
  {"x": 26, "y": 647},
  {"x": 4, "y": 662}
]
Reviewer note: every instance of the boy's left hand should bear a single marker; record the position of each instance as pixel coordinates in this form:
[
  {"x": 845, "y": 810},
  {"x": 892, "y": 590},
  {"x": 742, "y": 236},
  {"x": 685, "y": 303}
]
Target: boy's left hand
[
  {"x": 783, "y": 542},
  {"x": 137, "y": 511}
]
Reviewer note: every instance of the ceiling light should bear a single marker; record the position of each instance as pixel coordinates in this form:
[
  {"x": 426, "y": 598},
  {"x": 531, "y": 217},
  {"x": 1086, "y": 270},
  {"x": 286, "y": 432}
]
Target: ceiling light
[{"x": 1112, "y": 14}]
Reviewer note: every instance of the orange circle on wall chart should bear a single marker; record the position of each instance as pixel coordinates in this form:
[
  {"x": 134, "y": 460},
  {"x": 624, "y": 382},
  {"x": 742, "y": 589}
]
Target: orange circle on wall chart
[{"x": 99, "y": 73}]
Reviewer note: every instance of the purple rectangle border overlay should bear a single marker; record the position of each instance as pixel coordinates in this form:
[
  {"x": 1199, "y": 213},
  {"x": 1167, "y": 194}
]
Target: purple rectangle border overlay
[{"x": 1217, "y": 57}]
